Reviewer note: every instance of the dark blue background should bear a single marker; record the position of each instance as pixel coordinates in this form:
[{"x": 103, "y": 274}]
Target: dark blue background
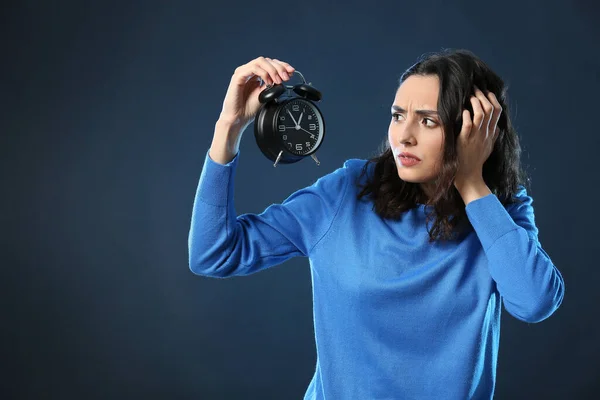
[{"x": 108, "y": 110}]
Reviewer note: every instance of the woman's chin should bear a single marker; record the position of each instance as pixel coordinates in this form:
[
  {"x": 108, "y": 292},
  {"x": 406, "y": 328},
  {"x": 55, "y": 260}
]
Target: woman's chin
[{"x": 409, "y": 177}]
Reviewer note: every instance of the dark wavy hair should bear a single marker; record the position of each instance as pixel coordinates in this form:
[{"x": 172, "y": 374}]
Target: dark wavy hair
[{"x": 458, "y": 71}]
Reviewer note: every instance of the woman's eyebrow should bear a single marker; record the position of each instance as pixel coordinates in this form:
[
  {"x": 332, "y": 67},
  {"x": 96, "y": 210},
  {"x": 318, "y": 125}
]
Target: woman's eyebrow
[{"x": 422, "y": 112}]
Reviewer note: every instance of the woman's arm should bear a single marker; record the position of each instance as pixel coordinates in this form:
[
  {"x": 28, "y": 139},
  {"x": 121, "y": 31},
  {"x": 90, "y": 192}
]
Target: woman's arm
[
  {"x": 531, "y": 286},
  {"x": 222, "y": 244}
]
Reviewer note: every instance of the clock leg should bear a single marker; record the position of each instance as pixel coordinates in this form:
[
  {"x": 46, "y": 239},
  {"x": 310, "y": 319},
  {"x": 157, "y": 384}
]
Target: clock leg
[
  {"x": 278, "y": 158},
  {"x": 314, "y": 157}
]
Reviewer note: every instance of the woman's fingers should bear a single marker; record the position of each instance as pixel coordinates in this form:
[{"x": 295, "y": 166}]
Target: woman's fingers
[
  {"x": 488, "y": 109},
  {"x": 270, "y": 70},
  {"x": 282, "y": 68},
  {"x": 269, "y": 67},
  {"x": 246, "y": 71},
  {"x": 497, "y": 111},
  {"x": 287, "y": 66},
  {"x": 478, "y": 113}
]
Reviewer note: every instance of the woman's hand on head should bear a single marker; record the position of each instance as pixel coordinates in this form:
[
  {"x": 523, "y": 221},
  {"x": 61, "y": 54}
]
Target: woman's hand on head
[{"x": 478, "y": 135}]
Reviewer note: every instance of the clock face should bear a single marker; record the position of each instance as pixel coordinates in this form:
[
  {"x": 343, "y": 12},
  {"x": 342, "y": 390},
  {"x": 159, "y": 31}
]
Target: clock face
[{"x": 300, "y": 126}]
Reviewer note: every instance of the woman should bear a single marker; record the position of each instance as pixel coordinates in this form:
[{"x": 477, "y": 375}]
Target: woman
[{"x": 402, "y": 310}]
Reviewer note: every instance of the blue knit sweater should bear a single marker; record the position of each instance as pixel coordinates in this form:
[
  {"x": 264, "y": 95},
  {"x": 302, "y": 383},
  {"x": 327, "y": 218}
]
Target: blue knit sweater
[{"x": 395, "y": 317}]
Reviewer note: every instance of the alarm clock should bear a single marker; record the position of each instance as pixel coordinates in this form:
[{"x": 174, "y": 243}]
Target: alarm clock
[{"x": 289, "y": 129}]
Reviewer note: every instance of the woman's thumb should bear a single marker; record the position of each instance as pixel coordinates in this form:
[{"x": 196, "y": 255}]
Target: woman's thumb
[{"x": 253, "y": 103}]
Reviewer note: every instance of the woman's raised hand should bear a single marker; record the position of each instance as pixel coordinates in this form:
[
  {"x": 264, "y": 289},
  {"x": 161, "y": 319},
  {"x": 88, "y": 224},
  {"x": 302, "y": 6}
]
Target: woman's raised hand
[{"x": 241, "y": 100}]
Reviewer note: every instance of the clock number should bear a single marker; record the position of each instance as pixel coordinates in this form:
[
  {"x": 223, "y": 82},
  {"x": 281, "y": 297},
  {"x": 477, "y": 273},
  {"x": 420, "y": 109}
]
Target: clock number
[
  {"x": 282, "y": 118},
  {"x": 298, "y": 147},
  {"x": 312, "y": 136},
  {"x": 281, "y": 128},
  {"x": 295, "y": 107},
  {"x": 284, "y": 137},
  {"x": 312, "y": 127},
  {"x": 310, "y": 117},
  {"x": 307, "y": 144}
]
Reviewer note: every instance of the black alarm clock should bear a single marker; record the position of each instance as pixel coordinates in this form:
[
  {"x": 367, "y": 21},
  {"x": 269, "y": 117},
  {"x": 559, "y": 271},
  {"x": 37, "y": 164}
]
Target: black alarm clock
[{"x": 289, "y": 129}]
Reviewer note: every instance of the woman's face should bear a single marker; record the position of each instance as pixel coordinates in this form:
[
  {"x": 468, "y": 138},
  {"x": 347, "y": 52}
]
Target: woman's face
[{"x": 417, "y": 128}]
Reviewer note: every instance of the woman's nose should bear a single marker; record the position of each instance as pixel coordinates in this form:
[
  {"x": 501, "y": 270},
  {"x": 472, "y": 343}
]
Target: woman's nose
[{"x": 405, "y": 135}]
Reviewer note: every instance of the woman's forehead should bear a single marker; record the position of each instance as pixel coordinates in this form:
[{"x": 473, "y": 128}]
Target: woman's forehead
[{"x": 419, "y": 91}]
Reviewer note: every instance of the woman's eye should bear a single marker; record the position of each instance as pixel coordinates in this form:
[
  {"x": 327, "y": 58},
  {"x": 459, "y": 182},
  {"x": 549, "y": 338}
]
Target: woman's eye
[
  {"x": 394, "y": 115},
  {"x": 430, "y": 120}
]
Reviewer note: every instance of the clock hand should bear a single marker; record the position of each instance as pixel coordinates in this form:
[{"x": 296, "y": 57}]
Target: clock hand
[
  {"x": 306, "y": 131},
  {"x": 300, "y": 119},
  {"x": 293, "y": 119}
]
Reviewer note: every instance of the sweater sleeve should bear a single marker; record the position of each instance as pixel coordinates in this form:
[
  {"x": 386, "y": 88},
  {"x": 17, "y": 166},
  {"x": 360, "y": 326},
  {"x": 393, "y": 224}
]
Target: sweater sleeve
[
  {"x": 222, "y": 244},
  {"x": 530, "y": 285}
]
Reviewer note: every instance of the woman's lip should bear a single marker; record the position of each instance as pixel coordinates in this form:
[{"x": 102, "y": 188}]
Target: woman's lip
[
  {"x": 407, "y": 154},
  {"x": 408, "y": 161}
]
